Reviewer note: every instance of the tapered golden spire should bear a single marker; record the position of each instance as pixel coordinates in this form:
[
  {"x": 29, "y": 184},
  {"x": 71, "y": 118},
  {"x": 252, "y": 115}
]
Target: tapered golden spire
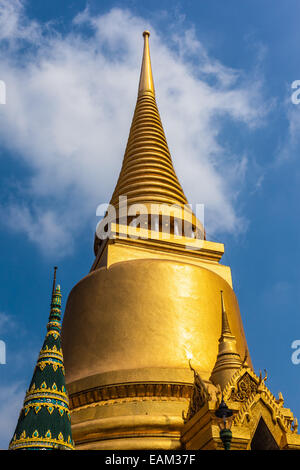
[
  {"x": 228, "y": 359},
  {"x": 147, "y": 175},
  {"x": 146, "y": 79},
  {"x": 225, "y": 325}
]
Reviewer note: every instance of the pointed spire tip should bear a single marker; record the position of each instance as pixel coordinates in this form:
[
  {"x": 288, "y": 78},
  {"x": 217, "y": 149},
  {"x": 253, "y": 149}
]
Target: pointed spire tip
[
  {"x": 54, "y": 280},
  {"x": 225, "y": 323},
  {"x": 146, "y": 84}
]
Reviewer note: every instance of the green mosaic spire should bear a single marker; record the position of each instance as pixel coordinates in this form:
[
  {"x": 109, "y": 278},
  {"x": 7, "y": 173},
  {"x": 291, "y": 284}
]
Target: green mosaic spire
[{"x": 44, "y": 421}]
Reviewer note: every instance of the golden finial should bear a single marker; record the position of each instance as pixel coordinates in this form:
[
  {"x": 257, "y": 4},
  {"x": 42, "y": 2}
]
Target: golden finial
[
  {"x": 146, "y": 79},
  {"x": 280, "y": 400},
  {"x": 228, "y": 359},
  {"x": 225, "y": 324}
]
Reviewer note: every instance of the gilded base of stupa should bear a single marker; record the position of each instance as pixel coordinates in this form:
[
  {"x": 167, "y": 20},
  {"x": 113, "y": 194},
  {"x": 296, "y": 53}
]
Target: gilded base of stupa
[
  {"x": 133, "y": 409},
  {"x": 130, "y": 328}
]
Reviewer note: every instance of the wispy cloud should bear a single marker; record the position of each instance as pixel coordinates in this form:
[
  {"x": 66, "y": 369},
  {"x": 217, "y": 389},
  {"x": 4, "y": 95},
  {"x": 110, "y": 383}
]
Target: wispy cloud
[
  {"x": 46, "y": 227},
  {"x": 70, "y": 100},
  {"x": 14, "y": 25},
  {"x": 6, "y": 322}
]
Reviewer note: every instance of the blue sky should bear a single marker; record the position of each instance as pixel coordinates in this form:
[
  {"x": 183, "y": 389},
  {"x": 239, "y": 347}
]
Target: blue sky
[{"x": 223, "y": 73}]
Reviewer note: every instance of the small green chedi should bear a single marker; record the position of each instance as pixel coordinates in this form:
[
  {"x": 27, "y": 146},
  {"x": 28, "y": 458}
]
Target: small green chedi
[{"x": 44, "y": 422}]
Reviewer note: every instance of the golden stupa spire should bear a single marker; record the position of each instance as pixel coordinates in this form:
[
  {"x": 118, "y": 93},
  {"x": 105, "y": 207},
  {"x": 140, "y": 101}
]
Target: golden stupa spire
[
  {"x": 147, "y": 175},
  {"x": 228, "y": 359}
]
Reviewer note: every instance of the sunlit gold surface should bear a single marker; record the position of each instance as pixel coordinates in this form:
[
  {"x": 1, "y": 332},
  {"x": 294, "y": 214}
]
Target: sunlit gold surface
[
  {"x": 146, "y": 313},
  {"x": 140, "y": 321},
  {"x": 124, "y": 245}
]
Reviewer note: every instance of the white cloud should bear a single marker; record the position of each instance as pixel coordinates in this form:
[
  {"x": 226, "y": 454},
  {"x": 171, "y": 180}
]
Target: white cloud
[
  {"x": 13, "y": 22},
  {"x": 70, "y": 101},
  {"x": 48, "y": 229}
]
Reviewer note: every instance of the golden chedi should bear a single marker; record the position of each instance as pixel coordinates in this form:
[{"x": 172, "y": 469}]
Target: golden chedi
[{"x": 148, "y": 321}]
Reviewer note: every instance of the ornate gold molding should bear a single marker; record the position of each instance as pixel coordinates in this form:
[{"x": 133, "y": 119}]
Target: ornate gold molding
[
  {"x": 125, "y": 391},
  {"x": 41, "y": 442},
  {"x": 246, "y": 388}
]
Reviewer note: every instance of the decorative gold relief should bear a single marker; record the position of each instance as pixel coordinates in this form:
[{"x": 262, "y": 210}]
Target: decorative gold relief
[
  {"x": 123, "y": 392},
  {"x": 200, "y": 395},
  {"x": 245, "y": 387}
]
